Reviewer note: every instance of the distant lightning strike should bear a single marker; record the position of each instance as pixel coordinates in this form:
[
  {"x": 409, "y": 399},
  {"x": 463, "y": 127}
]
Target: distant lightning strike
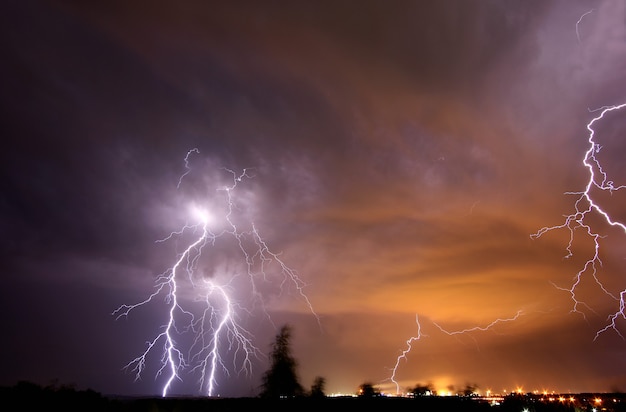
[
  {"x": 578, "y": 23},
  {"x": 405, "y": 352},
  {"x": 584, "y": 206},
  {"x": 480, "y": 328},
  {"x": 211, "y": 318},
  {"x": 420, "y": 335}
]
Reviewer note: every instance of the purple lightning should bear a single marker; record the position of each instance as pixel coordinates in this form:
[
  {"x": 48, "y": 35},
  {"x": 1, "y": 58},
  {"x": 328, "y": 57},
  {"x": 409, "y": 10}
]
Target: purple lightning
[
  {"x": 578, "y": 23},
  {"x": 420, "y": 335},
  {"x": 202, "y": 324},
  {"x": 585, "y": 206}
]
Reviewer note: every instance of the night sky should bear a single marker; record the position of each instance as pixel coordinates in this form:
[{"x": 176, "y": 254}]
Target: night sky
[{"x": 398, "y": 158}]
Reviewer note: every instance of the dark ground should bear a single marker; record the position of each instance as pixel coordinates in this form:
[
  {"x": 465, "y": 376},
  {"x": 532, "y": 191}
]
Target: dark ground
[{"x": 31, "y": 397}]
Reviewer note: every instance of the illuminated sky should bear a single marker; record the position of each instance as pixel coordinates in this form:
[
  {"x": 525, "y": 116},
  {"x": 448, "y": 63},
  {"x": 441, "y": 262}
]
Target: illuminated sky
[{"x": 403, "y": 153}]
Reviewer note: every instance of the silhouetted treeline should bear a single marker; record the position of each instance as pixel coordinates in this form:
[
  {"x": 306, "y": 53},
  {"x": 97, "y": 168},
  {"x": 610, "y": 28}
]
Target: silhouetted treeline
[
  {"x": 28, "y": 396},
  {"x": 281, "y": 391}
]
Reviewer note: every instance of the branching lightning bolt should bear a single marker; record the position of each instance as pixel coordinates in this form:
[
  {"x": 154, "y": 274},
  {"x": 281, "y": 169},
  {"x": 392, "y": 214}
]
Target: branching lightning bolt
[
  {"x": 210, "y": 322},
  {"x": 420, "y": 335},
  {"x": 584, "y": 207}
]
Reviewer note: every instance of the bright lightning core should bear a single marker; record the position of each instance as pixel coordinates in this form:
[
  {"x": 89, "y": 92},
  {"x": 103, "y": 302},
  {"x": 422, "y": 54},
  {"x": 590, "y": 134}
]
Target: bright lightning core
[{"x": 202, "y": 333}]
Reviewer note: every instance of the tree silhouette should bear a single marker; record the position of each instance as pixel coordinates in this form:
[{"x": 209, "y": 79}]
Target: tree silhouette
[
  {"x": 368, "y": 390},
  {"x": 470, "y": 389},
  {"x": 281, "y": 379},
  {"x": 317, "y": 389},
  {"x": 421, "y": 389}
]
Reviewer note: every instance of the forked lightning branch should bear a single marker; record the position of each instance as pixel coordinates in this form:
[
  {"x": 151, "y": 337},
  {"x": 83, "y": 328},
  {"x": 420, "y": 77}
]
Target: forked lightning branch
[
  {"x": 202, "y": 334},
  {"x": 586, "y": 207},
  {"x": 578, "y": 221}
]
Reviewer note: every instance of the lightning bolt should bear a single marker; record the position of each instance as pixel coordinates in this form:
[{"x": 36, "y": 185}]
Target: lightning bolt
[
  {"x": 578, "y": 23},
  {"x": 420, "y": 335},
  {"x": 405, "y": 352},
  {"x": 203, "y": 316},
  {"x": 585, "y": 207}
]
